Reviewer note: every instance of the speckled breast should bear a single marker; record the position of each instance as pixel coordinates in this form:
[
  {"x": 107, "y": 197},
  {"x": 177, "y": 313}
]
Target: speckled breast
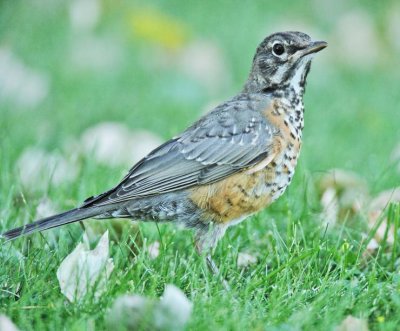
[
  {"x": 249, "y": 191},
  {"x": 281, "y": 171},
  {"x": 288, "y": 117}
]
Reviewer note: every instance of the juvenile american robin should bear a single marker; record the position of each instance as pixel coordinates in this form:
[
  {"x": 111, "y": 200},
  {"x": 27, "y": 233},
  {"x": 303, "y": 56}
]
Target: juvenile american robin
[{"x": 232, "y": 162}]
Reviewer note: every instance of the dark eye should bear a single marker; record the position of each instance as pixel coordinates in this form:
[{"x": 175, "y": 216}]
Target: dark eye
[{"x": 278, "y": 49}]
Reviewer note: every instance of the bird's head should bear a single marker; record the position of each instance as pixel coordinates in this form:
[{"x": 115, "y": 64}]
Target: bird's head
[{"x": 282, "y": 60}]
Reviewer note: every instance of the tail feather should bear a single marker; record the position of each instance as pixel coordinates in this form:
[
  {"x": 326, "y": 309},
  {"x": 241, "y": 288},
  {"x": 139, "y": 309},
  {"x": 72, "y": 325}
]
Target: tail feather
[{"x": 67, "y": 217}]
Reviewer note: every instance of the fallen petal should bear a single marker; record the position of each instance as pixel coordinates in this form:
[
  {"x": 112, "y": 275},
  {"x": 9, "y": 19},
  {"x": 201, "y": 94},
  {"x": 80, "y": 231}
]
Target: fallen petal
[
  {"x": 330, "y": 207},
  {"x": 340, "y": 178},
  {"x": 383, "y": 200},
  {"x": 135, "y": 312},
  {"x": 113, "y": 144},
  {"x": 356, "y": 39},
  {"x": 244, "y": 260},
  {"x": 343, "y": 193},
  {"x": 351, "y": 323},
  {"x": 84, "y": 14},
  {"x": 90, "y": 53},
  {"x": 45, "y": 208},
  {"x": 84, "y": 270},
  {"x": 173, "y": 310},
  {"x": 372, "y": 245},
  {"x": 377, "y": 208},
  {"x": 106, "y": 142},
  {"x": 38, "y": 168},
  {"x": 6, "y": 324},
  {"x": 204, "y": 61},
  {"x": 131, "y": 312},
  {"x": 154, "y": 250},
  {"x": 23, "y": 86}
]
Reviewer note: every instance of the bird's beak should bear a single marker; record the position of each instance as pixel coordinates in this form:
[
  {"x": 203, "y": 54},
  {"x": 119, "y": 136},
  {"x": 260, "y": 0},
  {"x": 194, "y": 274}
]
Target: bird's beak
[{"x": 314, "y": 47}]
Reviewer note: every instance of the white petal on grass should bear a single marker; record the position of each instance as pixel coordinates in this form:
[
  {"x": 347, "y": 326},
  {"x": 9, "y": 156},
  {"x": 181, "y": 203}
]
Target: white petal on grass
[
  {"x": 108, "y": 143},
  {"x": 45, "y": 208},
  {"x": 96, "y": 53},
  {"x": 372, "y": 246},
  {"x": 204, "y": 61},
  {"x": 383, "y": 199},
  {"x": 154, "y": 250},
  {"x": 174, "y": 309},
  {"x": 244, "y": 260},
  {"x": 351, "y": 323},
  {"x": 376, "y": 210},
  {"x": 6, "y": 324},
  {"x": 382, "y": 230},
  {"x": 114, "y": 144},
  {"x": 342, "y": 193},
  {"x": 38, "y": 168},
  {"x": 23, "y": 86},
  {"x": 86, "y": 271},
  {"x": 132, "y": 312},
  {"x": 84, "y": 14},
  {"x": 357, "y": 43},
  {"x": 330, "y": 207}
]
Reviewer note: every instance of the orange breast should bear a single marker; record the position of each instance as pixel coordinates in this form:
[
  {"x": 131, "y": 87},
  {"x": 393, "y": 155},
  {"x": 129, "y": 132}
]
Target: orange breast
[
  {"x": 248, "y": 191},
  {"x": 233, "y": 197}
]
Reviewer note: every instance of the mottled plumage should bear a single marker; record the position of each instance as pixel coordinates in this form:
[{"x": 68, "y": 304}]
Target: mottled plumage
[{"x": 234, "y": 161}]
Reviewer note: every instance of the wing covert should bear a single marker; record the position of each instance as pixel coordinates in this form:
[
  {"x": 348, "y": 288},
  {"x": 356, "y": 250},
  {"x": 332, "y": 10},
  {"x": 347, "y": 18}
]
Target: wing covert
[{"x": 232, "y": 137}]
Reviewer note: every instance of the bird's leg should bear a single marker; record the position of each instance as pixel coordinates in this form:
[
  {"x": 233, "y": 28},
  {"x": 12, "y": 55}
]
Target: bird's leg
[
  {"x": 214, "y": 269},
  {"x": 206, "y": 241},
  {"x": 211, "y": 264}
]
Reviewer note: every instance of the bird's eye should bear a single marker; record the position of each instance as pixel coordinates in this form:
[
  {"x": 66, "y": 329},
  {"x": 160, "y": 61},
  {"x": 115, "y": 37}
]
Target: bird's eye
[{"x": 278, "y": 49}]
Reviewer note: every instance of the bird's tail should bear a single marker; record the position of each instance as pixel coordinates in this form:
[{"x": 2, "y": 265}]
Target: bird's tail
[{"x": 67, "y": 217}]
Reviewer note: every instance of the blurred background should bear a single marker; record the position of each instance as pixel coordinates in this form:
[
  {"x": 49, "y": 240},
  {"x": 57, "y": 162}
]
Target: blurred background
[{"x": 87, "y": 87}]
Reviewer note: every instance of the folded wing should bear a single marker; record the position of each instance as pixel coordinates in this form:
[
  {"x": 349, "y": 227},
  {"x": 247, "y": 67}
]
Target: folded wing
[{"x": 232, "y": 137}]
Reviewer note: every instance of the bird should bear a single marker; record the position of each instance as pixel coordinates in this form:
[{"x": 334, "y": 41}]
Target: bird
[{"x": 234, "y": 161}]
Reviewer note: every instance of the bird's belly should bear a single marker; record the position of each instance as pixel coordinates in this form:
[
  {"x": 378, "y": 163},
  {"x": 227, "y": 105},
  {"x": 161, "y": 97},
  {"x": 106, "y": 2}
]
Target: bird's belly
[
  {"x": 245, "y": 193},
  {"x": 231, "y": 198}
]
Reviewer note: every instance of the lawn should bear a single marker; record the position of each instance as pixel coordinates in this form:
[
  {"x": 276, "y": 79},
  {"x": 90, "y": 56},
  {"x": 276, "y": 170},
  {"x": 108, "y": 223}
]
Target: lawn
[{"x": 157, "y": 66}]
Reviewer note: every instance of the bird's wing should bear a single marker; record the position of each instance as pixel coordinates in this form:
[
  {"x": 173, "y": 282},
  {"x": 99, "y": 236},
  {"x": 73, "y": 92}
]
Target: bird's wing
[{"x": 232, "y": 137}]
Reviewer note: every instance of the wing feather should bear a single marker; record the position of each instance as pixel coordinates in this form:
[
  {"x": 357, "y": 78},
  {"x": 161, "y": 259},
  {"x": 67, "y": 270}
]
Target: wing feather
[{"x": 232, "y": 137}]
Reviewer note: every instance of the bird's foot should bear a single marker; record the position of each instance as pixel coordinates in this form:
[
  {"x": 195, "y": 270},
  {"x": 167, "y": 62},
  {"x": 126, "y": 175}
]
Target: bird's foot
[{"x": 215, "y": 271}]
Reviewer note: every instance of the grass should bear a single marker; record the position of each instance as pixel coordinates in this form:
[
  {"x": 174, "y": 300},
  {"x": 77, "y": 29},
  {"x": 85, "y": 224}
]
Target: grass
[{"x": 307, "y": 276}]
